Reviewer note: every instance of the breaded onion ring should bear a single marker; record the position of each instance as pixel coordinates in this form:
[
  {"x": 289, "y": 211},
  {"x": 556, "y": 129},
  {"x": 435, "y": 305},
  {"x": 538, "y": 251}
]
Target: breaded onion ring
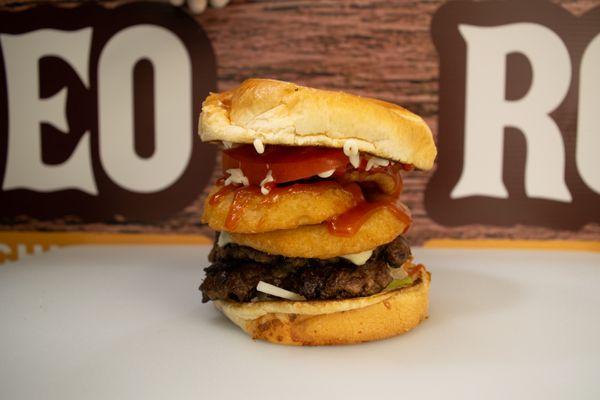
[
  {"x": 283, "y": 208},
  {"x": 315, "y": 241},
  {"x": 387, "y": 183}
]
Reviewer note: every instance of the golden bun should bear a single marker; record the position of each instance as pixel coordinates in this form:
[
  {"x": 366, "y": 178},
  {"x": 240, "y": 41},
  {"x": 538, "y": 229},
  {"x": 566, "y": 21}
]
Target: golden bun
[
  {"x": 288, "y": 114},
  {"x": 329, "y": 322}
]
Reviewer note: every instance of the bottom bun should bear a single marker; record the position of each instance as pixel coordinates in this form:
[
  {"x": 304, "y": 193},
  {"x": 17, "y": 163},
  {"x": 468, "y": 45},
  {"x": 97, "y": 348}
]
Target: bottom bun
[{"x": 328, "y": 322}]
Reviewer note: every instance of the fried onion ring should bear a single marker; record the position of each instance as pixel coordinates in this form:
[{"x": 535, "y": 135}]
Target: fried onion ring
[
  {"x": 387, "y": 183},
  {"x": 283, "y": 208},
  {"x": 315, "y": 241}
]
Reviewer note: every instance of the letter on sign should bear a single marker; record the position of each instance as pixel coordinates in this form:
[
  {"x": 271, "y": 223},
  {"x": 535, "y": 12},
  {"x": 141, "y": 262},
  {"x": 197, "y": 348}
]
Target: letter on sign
[
  {"x": 588, "y": 122},
  {"x": 173, "y": 107},
  {"x": 24, "y": 166},
  {"x": 488, "y": 112}
]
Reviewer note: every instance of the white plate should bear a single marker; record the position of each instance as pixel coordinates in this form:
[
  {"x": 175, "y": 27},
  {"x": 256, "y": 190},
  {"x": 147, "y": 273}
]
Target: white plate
[{"x": 128, "y": 323}]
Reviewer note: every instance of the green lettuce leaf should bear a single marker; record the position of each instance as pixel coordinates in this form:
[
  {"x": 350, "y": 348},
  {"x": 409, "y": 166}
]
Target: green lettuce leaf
[{"x": 399, "y": 283}]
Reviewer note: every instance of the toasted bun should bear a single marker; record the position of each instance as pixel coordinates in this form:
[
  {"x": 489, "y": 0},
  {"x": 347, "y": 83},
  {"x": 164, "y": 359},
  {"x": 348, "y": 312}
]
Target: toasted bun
[
  {"x": 333, "y": 321},
  {"x": 284, "y": 113}
]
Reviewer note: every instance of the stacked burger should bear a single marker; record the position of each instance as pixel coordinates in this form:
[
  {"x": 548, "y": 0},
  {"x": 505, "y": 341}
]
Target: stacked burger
[{"x": 309, "y": 246}]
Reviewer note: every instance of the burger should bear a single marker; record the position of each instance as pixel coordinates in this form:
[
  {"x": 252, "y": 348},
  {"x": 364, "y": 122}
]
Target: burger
[{"x": 310, "y": 246}]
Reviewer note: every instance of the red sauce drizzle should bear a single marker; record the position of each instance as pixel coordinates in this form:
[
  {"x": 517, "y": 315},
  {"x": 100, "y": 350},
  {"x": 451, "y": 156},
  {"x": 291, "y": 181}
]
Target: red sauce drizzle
[
  {"x": 348, "y": 223},
  {"x": 221, "y": 193},
  {"x": 240, "y": 199}
]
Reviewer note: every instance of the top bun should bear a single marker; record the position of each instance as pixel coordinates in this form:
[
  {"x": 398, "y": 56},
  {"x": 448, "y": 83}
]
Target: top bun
[{"x": 284, "y": 113}]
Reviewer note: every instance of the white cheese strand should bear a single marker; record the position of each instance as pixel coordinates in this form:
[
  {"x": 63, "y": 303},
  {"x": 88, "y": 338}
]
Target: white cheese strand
[
  {"x": 268, "y": 178},
  {"x": 227, "y": 144},
  {"x": 258, "y": 146},
  {"x": 351, "y": 151},
  {"x": 273, "y": 290},
  {"x": 236, "y": 176},
  {"x": 326, "y": 174},
  {"x": 376, "y": 161}
]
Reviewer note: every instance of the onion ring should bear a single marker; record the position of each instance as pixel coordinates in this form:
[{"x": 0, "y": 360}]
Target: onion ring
[
  {"x": 284, "y": 208},
  {"x": 315, "y": 241}
]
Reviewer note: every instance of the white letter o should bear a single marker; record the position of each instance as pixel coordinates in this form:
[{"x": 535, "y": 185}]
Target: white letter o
[{"x": 172, "y": 104}]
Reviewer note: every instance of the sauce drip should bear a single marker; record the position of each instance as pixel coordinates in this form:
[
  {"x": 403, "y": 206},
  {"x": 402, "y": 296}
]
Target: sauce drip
[
  {"x": 221, "y": 194},
  {"x": 348, "y": 223},
  {"x": 240, "y": 199}
]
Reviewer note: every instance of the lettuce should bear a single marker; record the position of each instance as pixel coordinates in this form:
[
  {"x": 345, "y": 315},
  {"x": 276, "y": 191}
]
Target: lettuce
[{"x": 399, "y": 283}]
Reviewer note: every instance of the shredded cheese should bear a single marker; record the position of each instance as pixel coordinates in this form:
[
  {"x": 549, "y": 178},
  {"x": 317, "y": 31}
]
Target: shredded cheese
[
  {"x": 258, "y": 146},
  {"x": 376, "y": 161},
  {"x": 326, "y": 174},
  {"x": 268, "y": 178},
  {"x": 227, "y": 144},
  {"x": 351, "y": 151},
  {"x": 273, "y": 290},
  {"x": 236, "y": 176}
]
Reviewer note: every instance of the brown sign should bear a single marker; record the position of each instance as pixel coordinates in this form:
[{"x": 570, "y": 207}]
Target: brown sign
[
  {"x": 98, "y": 111},
  {"x": 519, "y": 120}
]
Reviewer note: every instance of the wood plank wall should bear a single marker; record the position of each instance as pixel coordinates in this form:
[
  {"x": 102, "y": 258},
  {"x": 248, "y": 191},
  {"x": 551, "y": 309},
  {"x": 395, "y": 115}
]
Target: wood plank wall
[{"x": 375, "y": 48}]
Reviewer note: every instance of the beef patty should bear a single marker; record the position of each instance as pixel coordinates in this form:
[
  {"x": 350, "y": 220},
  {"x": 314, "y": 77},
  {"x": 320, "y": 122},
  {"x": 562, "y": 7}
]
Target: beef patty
[{"x": 236, "y": 270}]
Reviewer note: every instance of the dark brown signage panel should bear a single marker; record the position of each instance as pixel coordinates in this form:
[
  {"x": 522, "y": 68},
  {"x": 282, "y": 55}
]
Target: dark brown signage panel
[
  {"x": 518, "y": 117},
  {"x": 98, "y": 111}
]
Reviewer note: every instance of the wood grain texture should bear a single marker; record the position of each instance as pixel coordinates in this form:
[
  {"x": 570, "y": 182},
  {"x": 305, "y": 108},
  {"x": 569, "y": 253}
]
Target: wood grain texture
[{"x": 375, "y": 48}]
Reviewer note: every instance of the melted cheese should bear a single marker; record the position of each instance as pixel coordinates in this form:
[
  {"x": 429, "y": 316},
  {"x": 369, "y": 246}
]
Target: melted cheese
[
  {"x": 359, "y": 258},
  {"x": 224, "y": 239}
]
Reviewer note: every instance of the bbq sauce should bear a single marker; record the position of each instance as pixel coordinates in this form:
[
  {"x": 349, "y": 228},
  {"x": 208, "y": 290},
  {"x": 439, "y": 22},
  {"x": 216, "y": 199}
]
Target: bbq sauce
[
  {"x": 350, "y": 222},
  {"x": 346, "y": 224}
]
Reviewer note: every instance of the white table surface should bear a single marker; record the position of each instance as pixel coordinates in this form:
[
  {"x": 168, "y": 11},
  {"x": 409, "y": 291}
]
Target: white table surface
[{"x": 127, "y": 323}]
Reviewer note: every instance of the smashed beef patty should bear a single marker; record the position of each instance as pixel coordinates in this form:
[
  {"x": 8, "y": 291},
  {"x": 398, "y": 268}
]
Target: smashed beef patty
[{"x": 236, "y": 271}]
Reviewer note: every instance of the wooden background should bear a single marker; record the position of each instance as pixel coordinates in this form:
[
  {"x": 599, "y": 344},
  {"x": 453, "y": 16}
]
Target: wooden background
[{"x": 375, "y": 48}]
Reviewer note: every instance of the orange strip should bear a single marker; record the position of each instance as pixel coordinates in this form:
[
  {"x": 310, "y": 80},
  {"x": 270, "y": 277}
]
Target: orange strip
[
  {"x": 70, "y": 238},
  {"x": 571, "y": 245}
]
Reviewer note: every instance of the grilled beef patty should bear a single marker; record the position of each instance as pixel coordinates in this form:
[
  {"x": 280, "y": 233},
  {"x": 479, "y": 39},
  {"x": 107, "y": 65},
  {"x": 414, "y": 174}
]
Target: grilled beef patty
[{"x": 236, "y": 270}]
